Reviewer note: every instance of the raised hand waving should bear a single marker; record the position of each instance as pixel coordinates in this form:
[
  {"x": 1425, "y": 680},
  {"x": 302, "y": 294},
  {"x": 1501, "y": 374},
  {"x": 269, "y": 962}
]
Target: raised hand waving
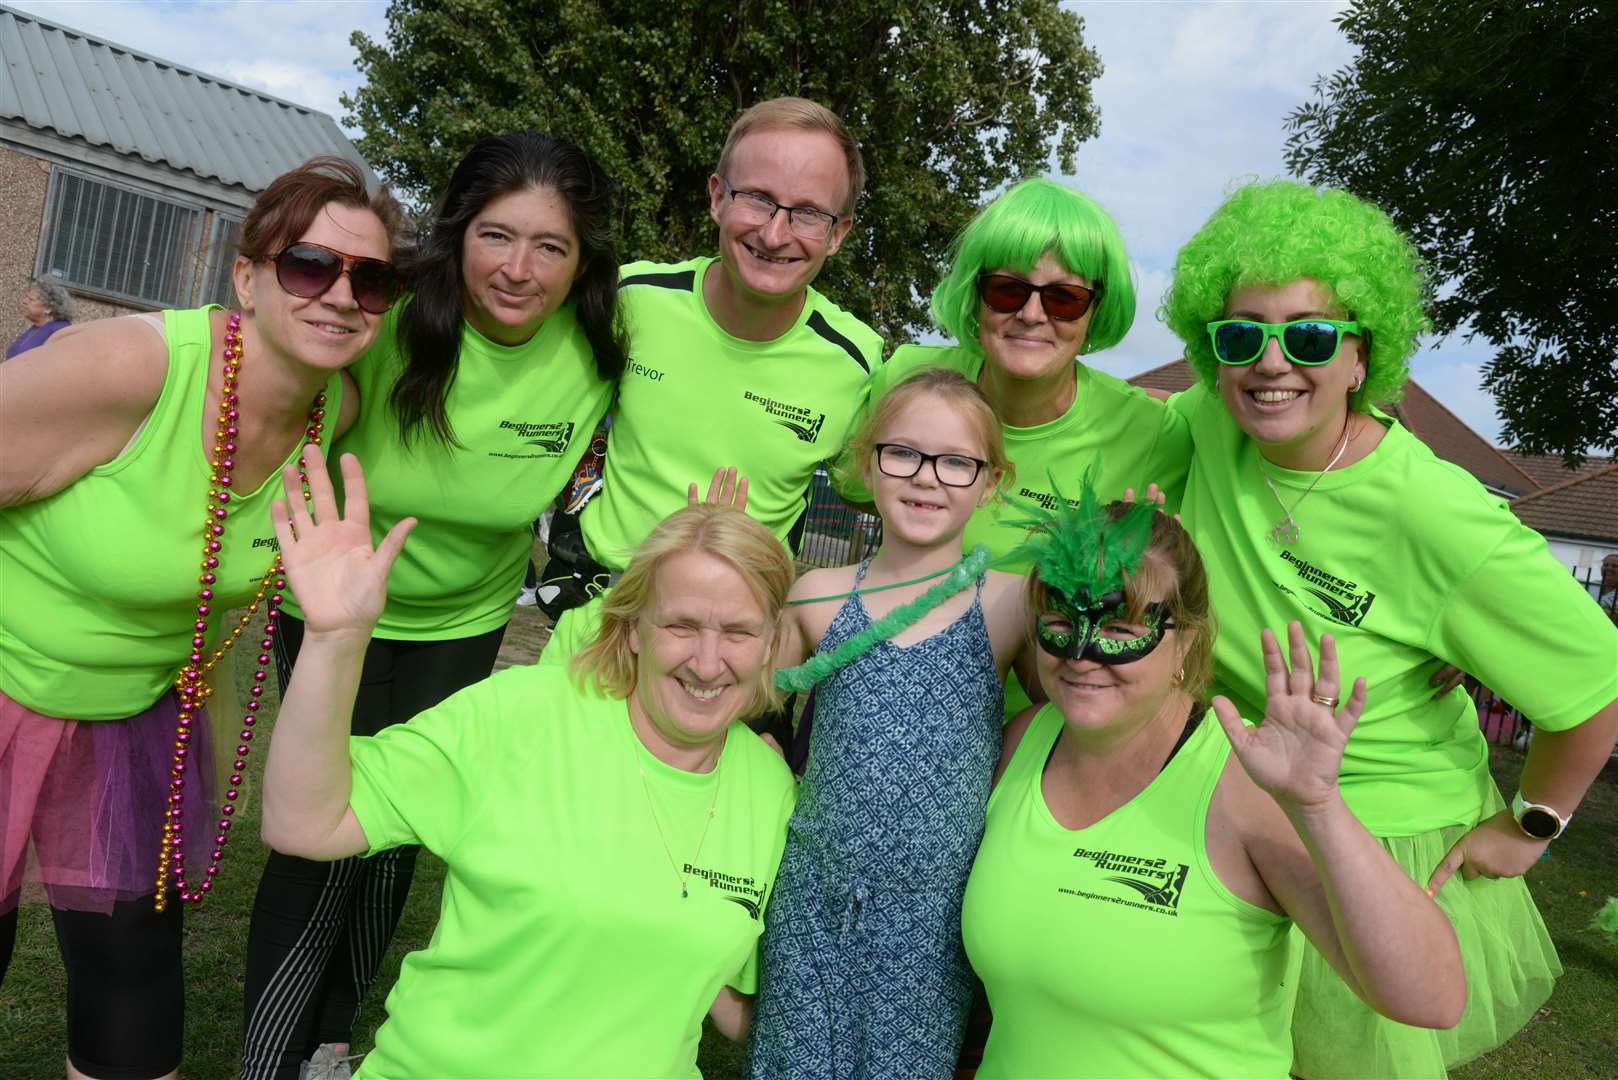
[
  {"x": 1296, "y": 753},
  {"x": 339, "y": 578}
]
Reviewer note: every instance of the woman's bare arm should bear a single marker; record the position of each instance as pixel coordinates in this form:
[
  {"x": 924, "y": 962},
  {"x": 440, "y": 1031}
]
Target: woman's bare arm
[{"x": 74, "y": 403}]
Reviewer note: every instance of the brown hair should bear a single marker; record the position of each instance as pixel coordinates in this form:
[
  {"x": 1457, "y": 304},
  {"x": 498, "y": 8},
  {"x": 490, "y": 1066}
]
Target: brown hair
[
  {"x": 285, "y": 210},
  {"x": 726, "y": 534},
  {"x": 957, "y": 391},
  {"x": 799, "y": 114},
  {"x": 1171, "y": 569}
]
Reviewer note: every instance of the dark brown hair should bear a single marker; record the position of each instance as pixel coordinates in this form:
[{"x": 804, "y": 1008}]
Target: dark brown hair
[{"x": 285, "y": 210}]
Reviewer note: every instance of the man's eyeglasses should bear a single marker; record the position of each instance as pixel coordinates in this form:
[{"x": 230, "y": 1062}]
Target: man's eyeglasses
[
  {"x": 806, "y": 222},
  {"x": 902, "y": 462},
  {"x": 1310, "y": 342},
  {"x": 307, "y": 270},
  {"x": 1064, "y": 303}
]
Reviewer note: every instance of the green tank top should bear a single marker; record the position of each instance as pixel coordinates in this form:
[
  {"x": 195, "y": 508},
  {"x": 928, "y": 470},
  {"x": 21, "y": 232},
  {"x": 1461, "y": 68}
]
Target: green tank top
[
  {"x": 100, "y": 579},
  {"x": 1114, "y": 950}
]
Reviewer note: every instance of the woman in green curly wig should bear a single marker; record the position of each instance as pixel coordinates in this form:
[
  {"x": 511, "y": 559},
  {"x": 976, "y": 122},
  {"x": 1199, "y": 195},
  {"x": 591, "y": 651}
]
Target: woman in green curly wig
[
  {"x": 1039, "y": 279},
  {"x": 1299, "y": 309}
]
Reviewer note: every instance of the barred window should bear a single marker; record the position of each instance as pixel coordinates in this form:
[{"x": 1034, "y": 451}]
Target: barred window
[
  {"x": 223, "y": 241},
  {"x": 113, "y": 240}
]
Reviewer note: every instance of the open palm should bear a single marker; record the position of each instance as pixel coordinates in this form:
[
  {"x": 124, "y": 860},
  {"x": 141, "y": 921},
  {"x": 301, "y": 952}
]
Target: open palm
[
  {"x": 1296, "y": 753},
  {"x": 340, "y": 580}
]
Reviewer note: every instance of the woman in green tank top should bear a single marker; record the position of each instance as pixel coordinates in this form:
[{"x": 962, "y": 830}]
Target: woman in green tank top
[
  {"x": 138, "y": 458},
  {"x": 1129, "y": 905}
]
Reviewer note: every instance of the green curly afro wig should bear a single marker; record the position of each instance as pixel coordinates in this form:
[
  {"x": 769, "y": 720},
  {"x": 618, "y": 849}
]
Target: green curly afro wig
[{"x": 1275, "y": 232}]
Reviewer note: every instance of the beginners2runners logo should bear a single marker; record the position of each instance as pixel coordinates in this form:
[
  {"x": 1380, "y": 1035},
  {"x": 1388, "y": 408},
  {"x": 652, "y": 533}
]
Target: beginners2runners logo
[
  {"x": 1328, "y": 595},
  {"x": 741, "y": 890},
  {"x": 804, "y": 423},
  {"x": 1159, "y": 883},
  {"x": 538, "y": 440}
]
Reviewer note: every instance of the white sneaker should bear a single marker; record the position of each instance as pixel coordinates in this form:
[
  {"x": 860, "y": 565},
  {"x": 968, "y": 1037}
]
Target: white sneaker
[
  {"x": 526, "y": 598},
  {"x": 328, "y": 1063}
]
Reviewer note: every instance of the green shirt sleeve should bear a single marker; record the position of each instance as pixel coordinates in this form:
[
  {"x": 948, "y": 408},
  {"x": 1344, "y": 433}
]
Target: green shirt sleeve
[
  {"x": 426, "y": 781},
  {"x": 1522, "y": 625}
]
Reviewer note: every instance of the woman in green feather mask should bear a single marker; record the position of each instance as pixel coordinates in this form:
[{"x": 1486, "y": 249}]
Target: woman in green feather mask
[{"x": 1130, "y": 904}]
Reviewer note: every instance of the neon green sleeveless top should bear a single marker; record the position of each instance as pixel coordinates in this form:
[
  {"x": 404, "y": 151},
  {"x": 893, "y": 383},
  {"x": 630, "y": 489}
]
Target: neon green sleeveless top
[
  {"x": 99, "y": 580},
  {"x": 1114, "y": 951}
]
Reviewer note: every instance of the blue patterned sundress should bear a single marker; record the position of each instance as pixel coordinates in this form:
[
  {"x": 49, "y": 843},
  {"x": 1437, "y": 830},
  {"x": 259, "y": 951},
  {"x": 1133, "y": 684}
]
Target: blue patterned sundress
[{"x": 864, "y": 976}]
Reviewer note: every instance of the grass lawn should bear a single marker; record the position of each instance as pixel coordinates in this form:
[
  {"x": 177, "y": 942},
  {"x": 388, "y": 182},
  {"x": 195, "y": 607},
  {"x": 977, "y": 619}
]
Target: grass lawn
[{"x": 1573, "y": 1036}]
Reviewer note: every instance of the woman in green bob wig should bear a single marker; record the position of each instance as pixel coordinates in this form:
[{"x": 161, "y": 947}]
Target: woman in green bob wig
[
  {"x": 1039, "y": 279},
  {"x": 1299, "y": 309}
]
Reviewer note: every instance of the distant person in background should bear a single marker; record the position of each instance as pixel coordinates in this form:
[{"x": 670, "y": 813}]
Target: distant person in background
[
  {"x": 48, "y": 308},
  {"x": 1607, "y": 591}
]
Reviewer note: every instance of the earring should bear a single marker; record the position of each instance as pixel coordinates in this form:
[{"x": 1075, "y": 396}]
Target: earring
[
  {"x": 1356, "y": 387},
  {"x": 1179, "y": 676}
]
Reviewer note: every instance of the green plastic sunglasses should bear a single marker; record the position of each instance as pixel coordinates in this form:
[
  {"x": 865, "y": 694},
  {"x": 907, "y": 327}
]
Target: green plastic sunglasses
[{"x": 1311, "y": 342}]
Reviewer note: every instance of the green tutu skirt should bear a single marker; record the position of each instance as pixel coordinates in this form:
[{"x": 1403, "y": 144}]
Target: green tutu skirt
[{"x": 1511, "y": 967}]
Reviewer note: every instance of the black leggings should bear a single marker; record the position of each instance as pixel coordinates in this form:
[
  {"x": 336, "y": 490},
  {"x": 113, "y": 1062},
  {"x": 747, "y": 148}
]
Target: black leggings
[
  {"x": 319, "y": 929},
  {"x": 125, "y": 987}
]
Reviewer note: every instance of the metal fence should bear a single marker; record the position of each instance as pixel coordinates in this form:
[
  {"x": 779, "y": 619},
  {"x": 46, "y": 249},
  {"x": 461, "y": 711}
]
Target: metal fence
[
  {"x": 1501, "y": 722},
  {"x": 834, "y": 533}
]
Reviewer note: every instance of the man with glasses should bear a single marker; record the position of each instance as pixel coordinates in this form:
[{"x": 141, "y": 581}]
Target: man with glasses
[{"x": 734, "y": 360}]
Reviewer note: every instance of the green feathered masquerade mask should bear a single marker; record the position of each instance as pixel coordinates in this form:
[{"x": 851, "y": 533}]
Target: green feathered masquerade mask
[{"x": 1083, "y": 555}]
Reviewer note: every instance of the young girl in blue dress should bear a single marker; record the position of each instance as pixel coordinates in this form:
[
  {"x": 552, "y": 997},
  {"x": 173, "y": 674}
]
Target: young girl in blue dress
[{"x": 863, "y": 971}]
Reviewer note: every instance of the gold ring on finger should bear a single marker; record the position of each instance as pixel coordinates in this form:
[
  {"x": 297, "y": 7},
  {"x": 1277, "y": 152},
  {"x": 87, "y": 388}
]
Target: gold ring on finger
[{"x": 1322, "y": 699}]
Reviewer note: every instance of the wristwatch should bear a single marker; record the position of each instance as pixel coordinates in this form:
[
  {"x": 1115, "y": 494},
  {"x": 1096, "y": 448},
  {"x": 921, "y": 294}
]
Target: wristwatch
[{"x": 1538, "y": 820}]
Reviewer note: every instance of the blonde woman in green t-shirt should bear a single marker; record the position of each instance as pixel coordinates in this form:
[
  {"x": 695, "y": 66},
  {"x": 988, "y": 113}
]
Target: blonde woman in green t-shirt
[
  {"x": 611, "y": 833},
  {"x": 481, "y": 393},
  {"x": 1129, "y": 906},
  {"x": 1299, "y": 310}
]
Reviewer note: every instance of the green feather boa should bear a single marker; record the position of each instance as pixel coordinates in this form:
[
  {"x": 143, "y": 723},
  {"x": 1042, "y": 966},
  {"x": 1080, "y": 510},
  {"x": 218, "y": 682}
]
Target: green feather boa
[{"x": 822, "y": 665}]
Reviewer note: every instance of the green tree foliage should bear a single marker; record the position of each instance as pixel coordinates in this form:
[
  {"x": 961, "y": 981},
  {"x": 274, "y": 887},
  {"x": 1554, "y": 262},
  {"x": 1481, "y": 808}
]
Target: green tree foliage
[
  {"x": 950, "y": 99},
  {"x": 1489, "y": 130}
]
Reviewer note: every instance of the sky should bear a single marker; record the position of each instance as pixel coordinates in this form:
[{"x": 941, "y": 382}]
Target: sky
[{"x": 1193, "y": 102}]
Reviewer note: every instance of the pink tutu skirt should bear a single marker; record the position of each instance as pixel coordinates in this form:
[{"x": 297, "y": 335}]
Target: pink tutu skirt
[{"x": 81, "y": 804}]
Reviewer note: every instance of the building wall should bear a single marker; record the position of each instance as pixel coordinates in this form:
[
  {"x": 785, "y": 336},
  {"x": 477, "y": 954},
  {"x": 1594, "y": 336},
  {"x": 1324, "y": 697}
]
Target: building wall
[
  {"x": 1581, "y": 556},
  {"x": 25, "y": 180}
]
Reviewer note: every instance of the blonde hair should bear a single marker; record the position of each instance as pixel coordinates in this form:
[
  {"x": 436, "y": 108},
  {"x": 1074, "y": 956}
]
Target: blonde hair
[
  {"x": 799, "y": 114},
  {"x": 1170, "y": 568},
  {"x": 609, "y": 662},
  {"x": 955, "y": 390}
]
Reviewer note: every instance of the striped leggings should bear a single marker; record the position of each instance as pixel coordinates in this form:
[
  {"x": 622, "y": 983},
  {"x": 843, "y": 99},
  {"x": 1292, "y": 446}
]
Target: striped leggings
[{"x": 319, "y": 930}]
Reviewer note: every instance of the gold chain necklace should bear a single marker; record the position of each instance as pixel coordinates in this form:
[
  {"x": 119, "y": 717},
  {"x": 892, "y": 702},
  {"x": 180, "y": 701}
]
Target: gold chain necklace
[
  {"x": 634, "y": 750},
  {"x": 1286, "y": 530}
]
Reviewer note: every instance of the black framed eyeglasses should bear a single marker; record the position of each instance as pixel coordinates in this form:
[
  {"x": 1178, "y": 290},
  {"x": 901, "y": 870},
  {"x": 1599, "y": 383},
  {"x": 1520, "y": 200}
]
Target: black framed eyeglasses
[
  {"x": 307, "y": 270},
  {"x": 806, "y": 222},
  {"x": 902, "y": 462}
]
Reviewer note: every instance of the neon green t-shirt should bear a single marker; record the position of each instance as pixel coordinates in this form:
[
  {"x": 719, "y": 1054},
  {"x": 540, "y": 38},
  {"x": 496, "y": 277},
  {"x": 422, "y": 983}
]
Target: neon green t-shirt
[
  {"x": 1131, "y": 437},
  {"x": 1115, "y": 950},
  {"x": 1402, "y": 557},
  {"x": 98, "y": 582},
  {"x": 523, "y": 414},
  {"x": 564, "y": 947},
  {"x": 694, "y": 399}
]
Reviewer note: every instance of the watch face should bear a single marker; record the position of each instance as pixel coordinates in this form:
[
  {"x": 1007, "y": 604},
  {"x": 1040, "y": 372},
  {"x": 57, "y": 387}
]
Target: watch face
[{"x": 1540, "y": 824}]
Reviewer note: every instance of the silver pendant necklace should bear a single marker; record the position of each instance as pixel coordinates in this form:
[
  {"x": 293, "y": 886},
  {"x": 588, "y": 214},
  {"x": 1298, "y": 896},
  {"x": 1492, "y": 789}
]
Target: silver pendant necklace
[{"x": 1286, "y": 531}]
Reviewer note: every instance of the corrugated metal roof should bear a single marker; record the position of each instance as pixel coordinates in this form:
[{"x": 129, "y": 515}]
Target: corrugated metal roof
[{"x": 60, "y": 80}]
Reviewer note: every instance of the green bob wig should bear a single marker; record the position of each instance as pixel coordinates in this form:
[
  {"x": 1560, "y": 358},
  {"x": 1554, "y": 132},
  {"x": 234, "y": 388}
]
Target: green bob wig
[
  {"x": 1013, "y": 231},
  {"x": 1275, "y": 232}
]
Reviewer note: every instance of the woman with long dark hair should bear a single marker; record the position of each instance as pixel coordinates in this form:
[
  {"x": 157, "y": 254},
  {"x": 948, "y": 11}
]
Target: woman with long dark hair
[
  {"x": 481, "y": 393},
  {"x": 138, "y": 459}
]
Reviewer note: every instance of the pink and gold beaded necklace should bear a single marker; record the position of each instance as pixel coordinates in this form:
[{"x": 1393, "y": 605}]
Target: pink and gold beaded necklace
[{"x": 190, "y": 686}]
